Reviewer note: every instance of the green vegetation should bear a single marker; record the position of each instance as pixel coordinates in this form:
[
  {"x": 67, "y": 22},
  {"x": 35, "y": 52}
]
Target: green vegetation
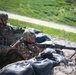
[
  {"x": 49, "y": 31},
  {"x": 58, "y": 11}
]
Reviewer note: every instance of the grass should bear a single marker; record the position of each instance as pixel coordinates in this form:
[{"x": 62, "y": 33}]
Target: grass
[
  {"x": 58, "y": 11},
  {"x": 46, "y": 30}
]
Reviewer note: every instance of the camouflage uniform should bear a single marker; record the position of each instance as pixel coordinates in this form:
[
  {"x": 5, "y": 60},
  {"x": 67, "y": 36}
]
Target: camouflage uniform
[
  {"x": 3, "y": 21},
  {"x": 7, "y": 55},
  {"x": 23, "y": 48},
  {"x": 7, "y": 37},
  {"x": 8, "y": 33},
  {"x": 5, "y": 30},
  {"x": 26, "y": 52}
]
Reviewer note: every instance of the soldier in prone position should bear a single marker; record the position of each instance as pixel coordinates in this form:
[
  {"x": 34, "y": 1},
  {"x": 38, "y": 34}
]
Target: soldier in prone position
[
  {"x": 23, "y": 49},
  {"x": 25, "y": 45}
]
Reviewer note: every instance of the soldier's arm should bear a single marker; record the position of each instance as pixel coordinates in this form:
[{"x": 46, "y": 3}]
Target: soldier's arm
[{"x": 16, "y": 43}]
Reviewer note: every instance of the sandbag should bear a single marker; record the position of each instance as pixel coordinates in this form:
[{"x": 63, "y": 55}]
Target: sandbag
[
  {"x": 42, "y": 66},
  {"x": 61, "y": 58},
  {"x": 53, "y": 55},
  {"x": 18, "y": 68},
  {"x": 41, "y": 38}
]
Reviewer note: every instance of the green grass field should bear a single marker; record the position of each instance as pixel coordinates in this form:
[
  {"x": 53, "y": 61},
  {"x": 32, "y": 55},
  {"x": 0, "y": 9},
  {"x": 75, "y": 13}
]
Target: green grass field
[
  {"x": 58, "y": 11},
  {"x": 52, "y": 32}
]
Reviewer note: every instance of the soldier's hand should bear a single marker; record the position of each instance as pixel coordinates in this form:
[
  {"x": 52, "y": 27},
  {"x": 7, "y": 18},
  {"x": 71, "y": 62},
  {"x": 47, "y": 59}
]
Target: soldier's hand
[{"x": 39, "y": 55}]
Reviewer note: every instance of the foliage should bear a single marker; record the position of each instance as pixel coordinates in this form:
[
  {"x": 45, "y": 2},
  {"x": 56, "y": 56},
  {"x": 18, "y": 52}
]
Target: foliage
[
  {"x": 46, "y": 30},
  {"x": 49, "y": 10}
]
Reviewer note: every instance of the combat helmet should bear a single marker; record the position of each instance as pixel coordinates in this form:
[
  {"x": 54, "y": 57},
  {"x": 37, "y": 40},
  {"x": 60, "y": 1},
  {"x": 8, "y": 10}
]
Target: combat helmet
[
  {"x": 3, "y": 16},
  {"x": 29, "y": 35}
]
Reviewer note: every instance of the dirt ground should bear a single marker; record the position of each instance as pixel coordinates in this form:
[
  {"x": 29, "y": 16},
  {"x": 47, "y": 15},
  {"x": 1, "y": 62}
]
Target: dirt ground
[
  {"x": 66, "y": 70},
  {"x": 71, "y": 68}
]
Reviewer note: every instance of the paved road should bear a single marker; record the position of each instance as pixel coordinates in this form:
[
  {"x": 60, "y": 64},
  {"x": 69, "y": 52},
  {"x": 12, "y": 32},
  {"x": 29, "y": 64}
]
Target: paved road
[{"x": 40, "y": 22}]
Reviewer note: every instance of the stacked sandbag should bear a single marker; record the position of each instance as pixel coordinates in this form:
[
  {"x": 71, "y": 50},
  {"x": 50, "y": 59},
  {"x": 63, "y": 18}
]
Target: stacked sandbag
[
  {"x": 35, "y": 66},
  {"x": 42, "y": 66},
  {"x": 18, "y": 68}
]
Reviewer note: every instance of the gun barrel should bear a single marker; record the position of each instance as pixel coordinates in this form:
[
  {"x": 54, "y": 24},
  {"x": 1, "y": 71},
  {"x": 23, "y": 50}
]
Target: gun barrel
[
  {"x": 56, "y": 46},
  {"x": 71, "y": 48}
]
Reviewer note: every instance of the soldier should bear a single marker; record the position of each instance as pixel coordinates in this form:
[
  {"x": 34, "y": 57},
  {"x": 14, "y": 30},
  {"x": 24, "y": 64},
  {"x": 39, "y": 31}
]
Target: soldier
[
  {"x": 3, "y": 22},
  {"x": 6, "y": 38},
  {"x": 8, "y": 33},
  {"x": 25, "y": 45},
  {"x": 5, "y": 29}
]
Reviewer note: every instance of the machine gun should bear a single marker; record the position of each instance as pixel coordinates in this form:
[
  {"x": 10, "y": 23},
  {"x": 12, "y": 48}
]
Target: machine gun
[{"x": 55, "y": 46}]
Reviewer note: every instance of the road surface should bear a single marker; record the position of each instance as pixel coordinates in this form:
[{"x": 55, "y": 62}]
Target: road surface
[{"x": 40, "y": 22}]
